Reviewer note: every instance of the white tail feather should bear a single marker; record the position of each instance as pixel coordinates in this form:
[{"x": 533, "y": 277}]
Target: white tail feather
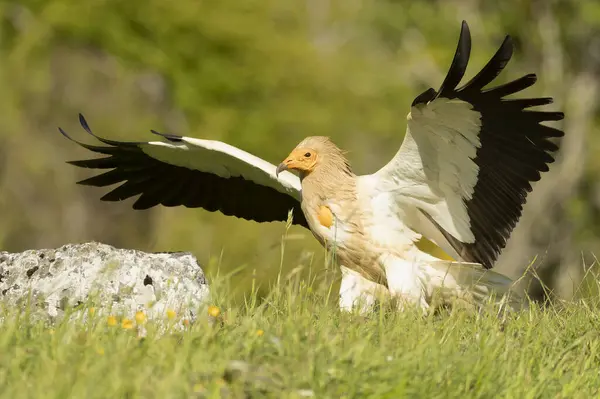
[
  {"x": 440, "y": 282},
  {"x": 470, "y": 282}
]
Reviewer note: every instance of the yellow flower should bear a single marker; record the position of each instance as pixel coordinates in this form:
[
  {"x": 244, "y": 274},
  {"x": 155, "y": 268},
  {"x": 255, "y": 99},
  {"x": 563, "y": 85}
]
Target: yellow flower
[
  {"x": 140, "y": 317},
  {"x": 127, "y": 324},
  {"x": 100, "y": 351},
  {"x": 214, "y": 311},
  {"x": 259, "y": 333},
  {"x": 92, "y": 311},
  {"x": 171, "y": 314},
  {"x": 111, "y": 321},
  {"x": 51, "y": 332}
]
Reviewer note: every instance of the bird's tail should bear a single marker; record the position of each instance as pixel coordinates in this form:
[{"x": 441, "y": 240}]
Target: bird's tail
[{"x": 469, "y": 282}]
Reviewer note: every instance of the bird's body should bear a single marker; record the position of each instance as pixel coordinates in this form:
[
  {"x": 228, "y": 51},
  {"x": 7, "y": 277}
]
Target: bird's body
[
  {"x": 370, "y": 238},
  {"x": 459, "y": 180},
  {"x": 334, "y": 212}
]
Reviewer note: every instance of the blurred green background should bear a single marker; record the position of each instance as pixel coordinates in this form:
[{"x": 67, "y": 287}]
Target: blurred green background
[{"x": 262, "y": 75}]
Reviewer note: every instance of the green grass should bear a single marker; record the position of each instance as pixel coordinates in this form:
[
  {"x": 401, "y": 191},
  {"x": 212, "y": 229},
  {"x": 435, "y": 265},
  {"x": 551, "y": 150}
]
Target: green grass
[{"x": 308, "y": 346}]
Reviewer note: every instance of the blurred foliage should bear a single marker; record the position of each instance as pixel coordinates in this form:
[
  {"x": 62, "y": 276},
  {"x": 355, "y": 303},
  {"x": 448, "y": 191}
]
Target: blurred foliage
[{"x": 260, "y": 75}]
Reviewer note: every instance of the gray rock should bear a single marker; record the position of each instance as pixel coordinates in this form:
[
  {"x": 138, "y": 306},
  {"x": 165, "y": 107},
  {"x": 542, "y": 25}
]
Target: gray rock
[{"x": 114, "y": 281}]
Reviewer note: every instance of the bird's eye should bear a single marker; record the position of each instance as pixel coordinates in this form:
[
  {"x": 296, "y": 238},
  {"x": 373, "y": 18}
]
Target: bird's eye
[{"x": 307, "y": 155}]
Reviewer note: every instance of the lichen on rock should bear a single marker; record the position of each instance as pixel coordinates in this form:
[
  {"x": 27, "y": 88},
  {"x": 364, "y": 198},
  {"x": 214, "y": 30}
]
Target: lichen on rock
[{"x": 113, "y": 281}]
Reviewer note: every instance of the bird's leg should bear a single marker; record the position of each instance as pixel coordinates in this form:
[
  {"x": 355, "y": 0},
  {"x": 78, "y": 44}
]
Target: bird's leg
[
  {"x": 356, "y": 292},
  {"x": 405, "y": 283}
]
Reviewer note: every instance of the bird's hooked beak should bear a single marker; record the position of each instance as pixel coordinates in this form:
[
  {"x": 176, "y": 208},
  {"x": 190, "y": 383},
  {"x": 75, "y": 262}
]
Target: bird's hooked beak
[
  {"x": 300, "y": 159},
  {"x": 280, "y": 168},
  {"x": 289, "y": 163}
]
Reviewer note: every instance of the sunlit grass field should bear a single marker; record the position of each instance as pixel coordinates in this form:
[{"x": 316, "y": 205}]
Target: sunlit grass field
[{"x": 295, "y": 343}]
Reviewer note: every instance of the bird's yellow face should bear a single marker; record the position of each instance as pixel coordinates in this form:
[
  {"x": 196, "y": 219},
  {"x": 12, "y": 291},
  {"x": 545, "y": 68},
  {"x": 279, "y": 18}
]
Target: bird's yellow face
[{"x": 301, "y": 159}]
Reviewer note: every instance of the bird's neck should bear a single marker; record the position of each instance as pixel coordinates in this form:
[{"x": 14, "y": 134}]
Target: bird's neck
[{"x": 322, "y": 184}]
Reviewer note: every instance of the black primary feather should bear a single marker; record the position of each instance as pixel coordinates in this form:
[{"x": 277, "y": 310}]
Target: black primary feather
[
  {"x": 515, "y": 148},
  {"x": 170, "y": 137}
]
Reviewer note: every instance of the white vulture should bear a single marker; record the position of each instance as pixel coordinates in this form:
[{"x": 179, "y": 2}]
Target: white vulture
[{"x": 459, "y": 180}]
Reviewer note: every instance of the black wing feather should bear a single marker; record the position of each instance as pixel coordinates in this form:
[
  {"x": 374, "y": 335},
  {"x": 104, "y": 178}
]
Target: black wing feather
[
  {"x": 459, "y": 63},
  {"x": 97, "y": 163},
  {"x": 160, "y": 183},
  {"x": 492, "y": 69},
  {"x": 514, "y": 149}
]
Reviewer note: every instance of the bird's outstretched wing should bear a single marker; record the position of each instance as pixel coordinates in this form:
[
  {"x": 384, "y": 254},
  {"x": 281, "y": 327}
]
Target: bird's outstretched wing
[
  {"x": 468, "y": 159},
  {"x": 194, "y": 173}
]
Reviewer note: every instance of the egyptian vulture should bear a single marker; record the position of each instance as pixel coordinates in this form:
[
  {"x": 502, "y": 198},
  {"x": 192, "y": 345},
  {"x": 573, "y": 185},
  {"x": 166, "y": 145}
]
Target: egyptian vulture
[{"x": 459, "y": 179}]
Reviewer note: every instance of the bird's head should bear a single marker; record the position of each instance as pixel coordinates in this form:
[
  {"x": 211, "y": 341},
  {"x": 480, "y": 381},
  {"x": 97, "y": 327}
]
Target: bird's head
[{"x": 311, "y": 154}]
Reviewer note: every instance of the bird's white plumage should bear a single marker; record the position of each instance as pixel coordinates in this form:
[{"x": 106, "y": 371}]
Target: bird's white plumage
[
  {"x": 338, "y": 233},
  {"x": 434, "y": 169},
  {"x": 405, "y": 278},
  {"x": 223, "y": 160},
  {"x": 433, "y": 173},
  {"x": 418, "y": 279},
  {"x": 356, "y": 292},
  {"x": 385, "y": 219}
]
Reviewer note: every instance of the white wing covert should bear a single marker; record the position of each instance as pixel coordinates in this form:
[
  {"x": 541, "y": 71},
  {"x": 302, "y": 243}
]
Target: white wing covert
[
  {"x": 469, "y": 157},
  {"x": 194, "y": 173}
]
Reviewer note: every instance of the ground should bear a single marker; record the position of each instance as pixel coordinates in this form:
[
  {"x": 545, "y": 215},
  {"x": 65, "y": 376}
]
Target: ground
[{"x": 297, "y": 344}]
